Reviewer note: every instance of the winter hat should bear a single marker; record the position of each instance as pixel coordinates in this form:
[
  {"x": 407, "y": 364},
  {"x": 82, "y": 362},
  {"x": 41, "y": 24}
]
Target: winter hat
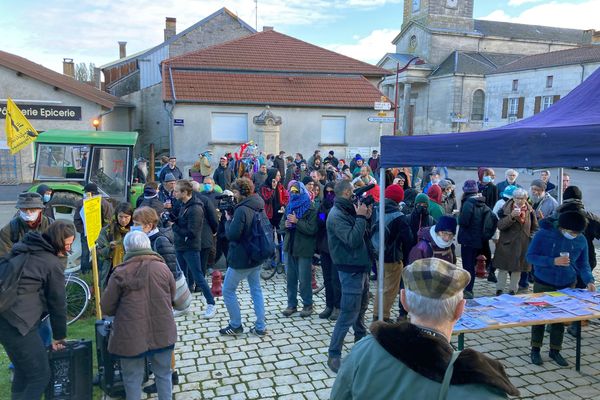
[
  {"x": 331, "y": 152},
  {"x": 571, "y": 192},
  {"x": 91, "y": 188},
  {"x": 446, "y": 224},
  {"x": 30, "y": 200},
  {"x": 169, "y": 177},
  {"x": 422, "y": 198},
  {"x": 470, "y": 186},
  {"x": 42, "y": 189},
  {"x": 306, "y": 180},
  {"x": 149, "y": 193},
  {"x": 445, "y": 184},
  {"x": 539, "y": 183},
  {"x": 573, "y": 221},
  {"x": 358, "y": 157},
  {"x": 508, "y": 191},
  {"x": 435, "y": 193},
  {"x": 394, "y": 193},
  {"x": 435, "y": 278}
]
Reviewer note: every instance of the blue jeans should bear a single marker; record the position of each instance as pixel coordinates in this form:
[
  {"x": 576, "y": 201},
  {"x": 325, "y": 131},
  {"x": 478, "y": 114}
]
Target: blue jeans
[
  {"x": 133, "y": 374},
  {"x": 299, "y": 269},
  {"x": 230, "y": 285},
  {"x": 353, "y": 305},
  {"x": 190, "y": 263}
]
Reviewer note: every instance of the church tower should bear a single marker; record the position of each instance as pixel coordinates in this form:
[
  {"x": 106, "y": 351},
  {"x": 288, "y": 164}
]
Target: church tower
[{"x": 455, "y": 15}]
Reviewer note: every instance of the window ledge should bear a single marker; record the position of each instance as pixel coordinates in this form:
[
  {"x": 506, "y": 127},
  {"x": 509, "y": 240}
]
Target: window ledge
[
  {"x": 333, "y": 144},
  {"x": 217, "y": 143}
]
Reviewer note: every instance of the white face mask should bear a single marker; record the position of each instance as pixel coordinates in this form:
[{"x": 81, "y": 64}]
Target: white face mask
[
  {"x": 568, "y": 235},
  {"x": 29, "y": 217}
]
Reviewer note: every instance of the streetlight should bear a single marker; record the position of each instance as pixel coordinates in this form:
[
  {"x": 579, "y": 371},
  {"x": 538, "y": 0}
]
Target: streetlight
[
  {"x": 96, "y": 123},
  {"x": 418, "y": 61}
]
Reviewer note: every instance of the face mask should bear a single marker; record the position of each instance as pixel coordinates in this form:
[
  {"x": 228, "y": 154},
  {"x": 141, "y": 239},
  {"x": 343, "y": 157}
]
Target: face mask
[
  {"x": 329, "y": 196},
  {"x": 534, "y": 198},
  {"x": 488, "y": 179},
  {"x": 47, "y": 198},
  {"x": 207, "y": 187},
  {"x": 568, "y": 235},
  {"x": 302, "y": 167},
  {"x": 29, "y": 217},
  {"x": 134, "y": 228},
  {"x": 435, "y": 181},
  {"x": 421, "y": 209}
]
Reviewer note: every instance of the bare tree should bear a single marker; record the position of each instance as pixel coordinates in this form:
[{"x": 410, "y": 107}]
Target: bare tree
[{"x": 84, "y": 72}]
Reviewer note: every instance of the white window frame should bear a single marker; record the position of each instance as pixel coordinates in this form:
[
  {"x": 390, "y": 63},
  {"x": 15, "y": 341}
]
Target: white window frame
[
  {"x": 333, "y": 129},
  {"x": 547, "y": 101},
  {"x": 513, "y": 106},
  {"x": 228, "y": 127}
]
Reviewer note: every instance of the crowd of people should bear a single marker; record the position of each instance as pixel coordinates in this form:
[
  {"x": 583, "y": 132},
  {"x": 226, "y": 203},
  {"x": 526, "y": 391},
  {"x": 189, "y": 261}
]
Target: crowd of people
[{"x": 323, "y": 210}]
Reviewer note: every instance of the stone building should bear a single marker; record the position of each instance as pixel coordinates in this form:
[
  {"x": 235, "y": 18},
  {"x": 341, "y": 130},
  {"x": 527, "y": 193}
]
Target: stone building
[
  {"x": 446, "y": 91},
  {"x": 137, "y": 78},
  {"x": 51, "y": 100},
  {"x": 316, "y": 98}
]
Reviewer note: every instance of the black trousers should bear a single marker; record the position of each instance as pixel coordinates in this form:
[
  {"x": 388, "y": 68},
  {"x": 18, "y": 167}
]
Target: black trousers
[
  {"x": 30, "y": 359},
  {"x": 331, "y": 280}
]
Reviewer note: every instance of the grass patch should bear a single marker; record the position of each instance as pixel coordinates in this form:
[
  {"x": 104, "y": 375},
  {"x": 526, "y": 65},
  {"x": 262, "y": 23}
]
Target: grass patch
[{"x": 81, "y": 329}]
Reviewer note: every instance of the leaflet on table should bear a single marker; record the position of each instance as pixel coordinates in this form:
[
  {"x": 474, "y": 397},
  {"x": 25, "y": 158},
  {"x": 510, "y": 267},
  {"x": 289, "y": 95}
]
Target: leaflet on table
[{"x": 583, "y": 294}]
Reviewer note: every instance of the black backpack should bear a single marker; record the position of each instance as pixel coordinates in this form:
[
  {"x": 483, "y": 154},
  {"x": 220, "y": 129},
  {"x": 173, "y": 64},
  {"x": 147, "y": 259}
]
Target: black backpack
[
  {"x": 261, "y": 245},
  {"x": 490, "y": 223},
  {"x": 11, "y": 270}
]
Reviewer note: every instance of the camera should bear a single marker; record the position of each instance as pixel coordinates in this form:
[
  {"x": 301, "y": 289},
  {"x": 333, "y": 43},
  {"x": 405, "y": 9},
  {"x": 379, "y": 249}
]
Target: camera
[
  {"x": 359, "y": 197},
  {"x": 226, "y": 203}
]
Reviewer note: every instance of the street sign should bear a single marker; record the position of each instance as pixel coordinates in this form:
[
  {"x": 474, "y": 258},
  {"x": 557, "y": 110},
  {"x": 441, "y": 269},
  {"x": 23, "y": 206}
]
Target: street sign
[
  {"x": 178, "y": 122},
  {"x": 460, "y": 120},
  {"x": 382, "y": 114},
  {"x": 382, "y": 105},
  {"x": 382, "y": 120}
]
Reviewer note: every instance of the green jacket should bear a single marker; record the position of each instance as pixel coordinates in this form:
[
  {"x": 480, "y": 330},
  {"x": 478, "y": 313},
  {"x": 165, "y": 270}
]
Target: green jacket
[
  {"x": 435, "y": 210},
  {"x": 6, "y": 242},
  {"x": 302, "y": 240},
  {"x": 401, "y": 361}
]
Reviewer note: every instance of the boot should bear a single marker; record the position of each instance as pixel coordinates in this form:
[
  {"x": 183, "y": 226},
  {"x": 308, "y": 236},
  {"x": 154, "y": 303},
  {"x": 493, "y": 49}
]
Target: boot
[
  {"x": 555, "y": 355},
  {"x": 536, "y": 357},
  {"x": 326, "y": 313},
  {"x": 334, "y": 314}
]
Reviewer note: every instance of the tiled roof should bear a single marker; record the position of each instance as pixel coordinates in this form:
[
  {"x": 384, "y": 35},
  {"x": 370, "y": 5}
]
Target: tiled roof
[
  {"x": 581, "y": 55},
  {"x": 173, "y": 38},
  {"x": 475, "y": 63},
  {"x": 66, "y": 83},
  {"x": 270, "y": 89},
  {"x": 272, "y": 51},
  {"x": 531, "y": 32}
]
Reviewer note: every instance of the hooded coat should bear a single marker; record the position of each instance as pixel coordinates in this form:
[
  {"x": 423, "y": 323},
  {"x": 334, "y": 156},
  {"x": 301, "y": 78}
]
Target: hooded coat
[
  {"x": 188, "y": 225},
  {"x": 471, "y": 220}
]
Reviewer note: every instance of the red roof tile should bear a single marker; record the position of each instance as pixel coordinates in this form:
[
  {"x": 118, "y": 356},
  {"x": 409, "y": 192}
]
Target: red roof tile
[
  {"x": 60, "y": 81},
  {"x": 270, "y": 89},
  {"x": 273, "y": 51}
]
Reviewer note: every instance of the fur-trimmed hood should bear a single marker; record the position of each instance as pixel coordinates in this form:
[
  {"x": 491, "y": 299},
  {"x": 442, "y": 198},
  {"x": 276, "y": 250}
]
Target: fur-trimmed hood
[{"x": 429, "y": 356}]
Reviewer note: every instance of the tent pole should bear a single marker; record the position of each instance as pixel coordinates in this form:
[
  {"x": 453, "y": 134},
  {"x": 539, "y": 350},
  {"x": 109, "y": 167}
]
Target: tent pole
[
  {"x": 559, "y": 191},
  {"x": 381, "y": 242}
]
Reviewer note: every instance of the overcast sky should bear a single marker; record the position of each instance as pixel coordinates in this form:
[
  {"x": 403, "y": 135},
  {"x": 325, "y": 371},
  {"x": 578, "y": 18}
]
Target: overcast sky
[{"x": 46, "y": 31}]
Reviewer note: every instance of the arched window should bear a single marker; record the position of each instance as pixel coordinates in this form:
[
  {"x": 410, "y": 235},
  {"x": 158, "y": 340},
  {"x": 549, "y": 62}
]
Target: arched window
[{"x": 478, "y": 105}]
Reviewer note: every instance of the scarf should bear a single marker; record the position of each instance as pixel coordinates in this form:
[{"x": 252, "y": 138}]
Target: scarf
[
  {"x": 119, "y": 250},
  {"x": 523, "y": 214},
  {"x": 299, "y": 202}
]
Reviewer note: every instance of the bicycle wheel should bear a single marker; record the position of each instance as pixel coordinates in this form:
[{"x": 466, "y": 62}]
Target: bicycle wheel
[
  {"x": 267, "y": 270},
  {"x": 78, "y": 296},
  {"x": 317, "y": 281}
]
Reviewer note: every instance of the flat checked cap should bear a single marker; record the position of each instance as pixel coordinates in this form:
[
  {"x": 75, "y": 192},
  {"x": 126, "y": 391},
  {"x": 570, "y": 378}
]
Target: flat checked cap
[{"x": 435, "y": 278}]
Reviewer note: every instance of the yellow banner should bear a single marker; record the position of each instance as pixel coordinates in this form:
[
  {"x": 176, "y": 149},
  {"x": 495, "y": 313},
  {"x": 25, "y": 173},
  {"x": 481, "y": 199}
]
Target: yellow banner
[
  {"x": 92, "y": 218},
  {"x": 19, "y": 132}
]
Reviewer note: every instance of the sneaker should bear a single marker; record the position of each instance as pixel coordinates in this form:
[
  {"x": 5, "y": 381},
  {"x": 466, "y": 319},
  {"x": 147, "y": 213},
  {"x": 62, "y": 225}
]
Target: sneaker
[
  {"x": 334, "y": 314},
  {"x": 306, "y": 311},
  {"x": 177, "y": 313},
  {"x": 555, "y": 355},
  {"x": 289, "y": 311},
  {"x": 334, "y": 363},
  {"x": 536, "y": 357},
  {"x": 211, "y": 310},
  {"x": 231, "y": 331},
  {"x": 258, "y": 332},
  {"x": 325, "y": 313}
]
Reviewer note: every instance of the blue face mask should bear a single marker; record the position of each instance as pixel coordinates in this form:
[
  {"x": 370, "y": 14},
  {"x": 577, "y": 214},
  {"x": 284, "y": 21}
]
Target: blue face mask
[
  {"x": 207, "y": 187},
  {"x": 47, "y": 198},
  {"x": 134, "y": 228},
  {"x": 488, "y": 179}
]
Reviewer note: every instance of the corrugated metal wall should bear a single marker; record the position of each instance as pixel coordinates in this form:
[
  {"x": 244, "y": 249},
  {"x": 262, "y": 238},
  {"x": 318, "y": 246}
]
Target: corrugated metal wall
[{"x": 150, "y": 67}]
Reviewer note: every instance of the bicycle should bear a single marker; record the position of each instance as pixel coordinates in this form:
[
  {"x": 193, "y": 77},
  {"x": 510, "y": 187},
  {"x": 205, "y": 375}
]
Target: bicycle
[{"x": 78, "y": 296}]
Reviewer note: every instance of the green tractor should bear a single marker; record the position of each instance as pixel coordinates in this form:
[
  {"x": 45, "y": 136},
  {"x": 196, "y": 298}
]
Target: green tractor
[{"x": 67, "y": 160}]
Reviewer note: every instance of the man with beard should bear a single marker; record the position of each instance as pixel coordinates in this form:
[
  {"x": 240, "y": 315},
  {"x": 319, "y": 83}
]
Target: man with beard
[
  {"x": 140, "y": 173},
  {"x": 543, "y": 204}
]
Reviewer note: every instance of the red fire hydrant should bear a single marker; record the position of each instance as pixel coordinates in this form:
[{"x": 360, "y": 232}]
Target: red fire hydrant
[
  {"x": 480, "y": 270},
  {"x": 217, "y": 283}
]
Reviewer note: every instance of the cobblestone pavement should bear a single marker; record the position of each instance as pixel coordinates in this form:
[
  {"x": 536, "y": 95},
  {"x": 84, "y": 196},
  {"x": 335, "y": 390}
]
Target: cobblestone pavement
[{"x": 290, "y": 362}]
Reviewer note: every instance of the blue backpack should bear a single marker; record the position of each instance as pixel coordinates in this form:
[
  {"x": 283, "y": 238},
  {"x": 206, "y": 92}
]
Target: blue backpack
[{"x": 261, "y": 245}]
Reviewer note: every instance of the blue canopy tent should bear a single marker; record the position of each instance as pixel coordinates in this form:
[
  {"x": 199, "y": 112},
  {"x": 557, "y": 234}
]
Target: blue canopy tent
[{"x": 564, "y": 135}]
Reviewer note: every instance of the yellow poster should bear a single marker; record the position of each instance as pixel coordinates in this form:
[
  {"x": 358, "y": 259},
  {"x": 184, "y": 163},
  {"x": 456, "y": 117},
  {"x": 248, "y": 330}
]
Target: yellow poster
[
  {"x": 92, "y": 219},
  {"x": 19, "y": 132}
]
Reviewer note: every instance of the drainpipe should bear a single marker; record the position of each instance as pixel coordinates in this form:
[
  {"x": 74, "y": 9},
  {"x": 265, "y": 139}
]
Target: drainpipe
[{"x": 170, "y": 112}]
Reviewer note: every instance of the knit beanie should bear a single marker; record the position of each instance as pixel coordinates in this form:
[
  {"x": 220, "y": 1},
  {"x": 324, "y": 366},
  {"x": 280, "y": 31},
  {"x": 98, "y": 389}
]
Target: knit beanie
[
  {"x": 445, "y": 183},
  {"x": 446, "y": 224},
  {"x": 149, "y": 193},
  {"x": 470, "y": 186},
  {"x": 539, "y": 183},
  {"x": 422, "y": 198},
  {"x": 508, "y": 191},
  {"x": 573, "y": 221},
  {"x": 307, "y": 179},
  {"x": 435, "y": 193},
  {"x": 394, "y": 193},
  {"x": 572, "y": 192}
]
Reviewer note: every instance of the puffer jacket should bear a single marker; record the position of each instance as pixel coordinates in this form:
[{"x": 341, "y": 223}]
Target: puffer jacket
[
  {"x": 346, "y": 235},
  {"x": 139, "y": 295},
  {"x": 162, "y": 243},
  {"x": 239, "y": 229},
  {"x": 471, "y": 221},
  {"x": 41, "y": 288},
  {"x": 427, "y": 248},
  {"x": 188, "y": 225}
]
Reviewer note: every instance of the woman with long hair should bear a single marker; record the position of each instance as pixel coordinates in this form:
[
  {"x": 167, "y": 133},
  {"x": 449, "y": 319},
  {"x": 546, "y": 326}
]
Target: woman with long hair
[{"x": 109, "y": 245}]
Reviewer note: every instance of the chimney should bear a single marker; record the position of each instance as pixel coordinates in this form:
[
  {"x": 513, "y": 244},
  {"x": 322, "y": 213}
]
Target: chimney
[
  {"x": 267, "y": 28},
  {"x": 170, "y": 27},
  {"x": 69, "y": 67},
  {"x": 122, "y": 49}
]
